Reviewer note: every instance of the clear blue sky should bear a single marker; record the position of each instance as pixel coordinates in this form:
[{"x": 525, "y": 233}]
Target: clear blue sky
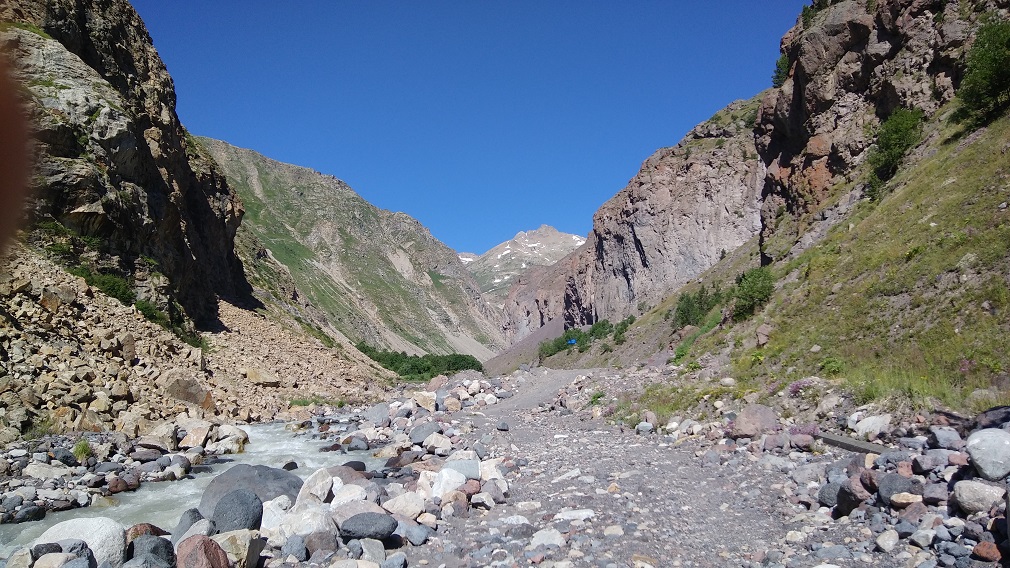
[{"x": 478, "y": 118}]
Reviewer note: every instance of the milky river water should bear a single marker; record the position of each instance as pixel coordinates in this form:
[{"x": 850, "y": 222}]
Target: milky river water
[{"x": 161, "y": 503}]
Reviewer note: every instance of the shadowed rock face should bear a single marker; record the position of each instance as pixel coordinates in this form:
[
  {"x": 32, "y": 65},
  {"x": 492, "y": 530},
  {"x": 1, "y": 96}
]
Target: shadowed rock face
[
  {"x": 687, "y": 205},
  {"x": 113, "y": 159},
  {"x": 851, "y": 67}
]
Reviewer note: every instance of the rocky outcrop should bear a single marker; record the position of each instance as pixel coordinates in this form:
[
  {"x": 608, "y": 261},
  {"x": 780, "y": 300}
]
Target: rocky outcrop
[
  {"x": 496, "y": 269},
  {"x": 114, "y": 162},
  {"x": 851, "y": 64},
  {"x": 369, "y": 274},
  {"x": 688, "y": 206}
]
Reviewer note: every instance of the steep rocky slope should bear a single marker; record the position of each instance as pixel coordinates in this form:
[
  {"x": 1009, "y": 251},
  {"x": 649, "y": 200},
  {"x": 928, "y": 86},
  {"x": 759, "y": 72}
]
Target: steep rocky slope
[
  {"x": 73, "y": 359},
  {"x": 375, "y": 276},
  {"x": 688, "y": 206},
  {"x": 114, "y": 163},
  {"x": 851, "y": 64},
  {"x": 496, "y": 269}
]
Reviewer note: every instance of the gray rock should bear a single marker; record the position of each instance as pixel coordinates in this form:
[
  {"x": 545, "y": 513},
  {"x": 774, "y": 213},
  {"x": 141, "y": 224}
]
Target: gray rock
[
  {"x": 922, "y": 538},
  {"x": 503, "y": 426},
  {"x": 890, "y": 484},
  {"x": 644, "y": 428},
  {"x": 422, "y": 431},
  {"x": 887, "y": 540},
  {"x": 153, "y": 546},
  {"x": 28, "y": 513},
  {"x": 295, "y": 546},
  {"x": 754, "y": 420},
  {"x": 945, "y": 437},
  {"x": 186, "y": 520},
  {"x": 146, "y": 561},
  {"x": 976, "y": 497},
  {"x": 368, "y": 525},
  {"x": 372, "y": 550},
  {"x": 989, "y": 450},
  {"x": 547, "y": 537},
  {"x": 871, "y": 427},
  {"x": 105, "y": 537},
  {"x": 828, "y": 494},
  {"x": 239, "y": 509},
  {"x": 417, "y": 534},
  {"x": 266, "y": 482},
  {"x": 398, "y": 560}
]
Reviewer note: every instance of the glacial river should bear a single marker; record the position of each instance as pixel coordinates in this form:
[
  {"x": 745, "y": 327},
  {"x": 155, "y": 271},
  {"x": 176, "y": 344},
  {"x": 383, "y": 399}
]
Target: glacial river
[{"x": 162, "y": 503}]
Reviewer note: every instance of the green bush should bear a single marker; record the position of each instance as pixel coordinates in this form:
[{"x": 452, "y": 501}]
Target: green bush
[
  {"x": 898, "y": 134},
  {"x": 82, "y": 450},
  {"x": 985, "y": 89},
  {"x": 420, "y": 368},
  {"x": 151, "y": 312},
  {"x": 692, "y": 308},
  {"x": 112, "y": 285},
  {"x": 778, "y": 79},
  {"x": 754, "y": 288}
]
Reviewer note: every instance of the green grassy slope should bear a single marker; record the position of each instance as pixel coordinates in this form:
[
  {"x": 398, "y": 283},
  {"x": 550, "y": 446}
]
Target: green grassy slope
[
  {"x": 378, "y": 277},
  {"x": 908, "y": 297}
]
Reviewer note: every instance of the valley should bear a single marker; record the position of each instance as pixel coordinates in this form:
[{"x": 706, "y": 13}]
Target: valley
[{"x": 781, "y": 343}]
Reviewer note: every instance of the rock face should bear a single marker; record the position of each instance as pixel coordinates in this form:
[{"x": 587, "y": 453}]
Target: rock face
[
  {"x": 496, "y": 269},
  {"x": 114, "y": 162},
  {"x": 688, "y": 206},
  {"x": 853, "y": 65},
  {"x": 376, "y": 276}
]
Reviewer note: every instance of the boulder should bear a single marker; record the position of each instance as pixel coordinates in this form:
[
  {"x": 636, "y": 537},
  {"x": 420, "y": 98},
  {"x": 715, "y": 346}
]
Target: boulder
[
  {"x": 754, "y": 420},
  {"x": 154, "y": 546},
  {"x": 266, "y": 482},
  {"x": 871, "y": 427},
  {"x": 105, "y": 537},
  {"x": 409, "y": 505},
  {"x": 201, "y": 552},
  {"x": 243, "y": 546},
  {"x": 368, "y": 525},
  {"x": 238, "y": 509},
  {"x": 976, "y": 497},
  {"x": 989, "y": 450}
]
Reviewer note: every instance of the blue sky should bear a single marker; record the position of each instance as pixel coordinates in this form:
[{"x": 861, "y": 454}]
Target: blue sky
[{"x": 480, "y": 119}]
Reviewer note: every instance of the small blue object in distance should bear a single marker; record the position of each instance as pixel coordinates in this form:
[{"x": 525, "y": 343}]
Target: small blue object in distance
[{"x": 572, "y": 341}]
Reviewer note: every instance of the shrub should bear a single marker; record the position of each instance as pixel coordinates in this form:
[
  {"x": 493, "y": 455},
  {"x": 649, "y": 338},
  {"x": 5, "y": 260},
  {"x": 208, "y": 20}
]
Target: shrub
[
  {"x": 985, "y": 89},
  {"x": 420, "y": 368},
  {"x": 151, "y": 312},
  {"x": 754, "y": 288},
  {"x": 82, "y": 450},
  {"x": 692, "y": 308},
  {"x": 112, "y": 285},
  {"x": 832, "y": 366},
  {"x": 778, "y": 79},
  {"x": 899, "y": 133}
]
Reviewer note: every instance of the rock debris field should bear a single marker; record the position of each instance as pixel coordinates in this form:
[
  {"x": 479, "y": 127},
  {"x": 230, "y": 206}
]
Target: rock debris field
[{"x": 522, "y": 471}]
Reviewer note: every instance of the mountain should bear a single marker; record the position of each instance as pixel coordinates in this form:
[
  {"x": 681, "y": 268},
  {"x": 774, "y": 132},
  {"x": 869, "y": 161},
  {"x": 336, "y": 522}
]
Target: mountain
[
  {"x": 893, "y": 289},
  {"x": 130, "y": 249},
  {"x": 687, "y": 207},
  {"x": 496, "y": 269},
  {"x": 114, "y": 162},
  {"x": 374, "y": 275}
]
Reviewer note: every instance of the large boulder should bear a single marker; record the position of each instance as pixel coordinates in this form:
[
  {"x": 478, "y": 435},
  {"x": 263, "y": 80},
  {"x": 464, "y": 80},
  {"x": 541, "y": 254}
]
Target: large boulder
[
  {"x": 105, "y": 537},
  {"x": 976, "y": 497},
  {"x": 990, "y": 453},
  {"x": 201, "y": 552},
  {"x": 754, "y": 420},
  {"x": 368, "y": 525},
  {"x": 266, "y": 482},
  {"x": 238, "y": 509}
]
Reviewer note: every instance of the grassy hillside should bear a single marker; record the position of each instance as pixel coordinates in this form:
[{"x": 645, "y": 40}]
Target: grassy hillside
[
  {"x": 375, "y": 276},
  {"x": 906, "y": 298}
]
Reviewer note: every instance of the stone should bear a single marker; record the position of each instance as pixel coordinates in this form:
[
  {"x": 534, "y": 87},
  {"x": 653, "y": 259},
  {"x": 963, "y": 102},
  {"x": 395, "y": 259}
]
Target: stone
[
  {"x": 238, "y": 509},
  {"x": 446, "y": 480},
  {"x": 53, "y": 560},
  {"x": 871, "y": 427},
  {"x": 987, "y": 552},
  {"x": 397, "y": 560},
  {"x": 922, "y": 538},
  {"x": 266, "y": 482},
  {"x": 887, "y": 540},
  {"x": 989, "y": 450},
  {"x": 242, "y": 546},
  {"x": 893, "y": 483},
  {"x": 754, "y": 420},
  {"x": 348, "y": 494},
  {"x": 261, "y": 377},
  {"x": 902, "y": 500},
  {"x": 425, "y": 400},
  {"x": 295, "y": 546},
  {"x": 368, "y": 525},
  {"x": 186, "y": 520},
  {"x": 409, "y": 505},
  {"x": 318, "y": 488},
  {"x": 200, "y": 551},
  {"x": 155, "y": 546},
  {"x": 976, "y": 497},
  {"x": 105, "y": 537},
  {"x": 945, "y": 437},
  {"x": 827, "y": 495},
  {"x": 420, "y": 432},
  {"x": 143, "y": 561},
  {"x": 469, "y": 468},
  {"x": 372, "y": 550},
  {"x": 546, "y": 538},
  {"x": 437, "y": 444}
]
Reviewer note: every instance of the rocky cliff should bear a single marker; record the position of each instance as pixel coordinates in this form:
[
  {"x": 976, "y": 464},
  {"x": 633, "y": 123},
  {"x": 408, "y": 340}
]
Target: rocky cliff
[
  {"x": 496, "y": 269},
  {"x": 114, "y": 163},
  {"x": 688, "y": 205},
  {"x": 373, "y": 275},
  {"x": 851, "y": 63}
]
